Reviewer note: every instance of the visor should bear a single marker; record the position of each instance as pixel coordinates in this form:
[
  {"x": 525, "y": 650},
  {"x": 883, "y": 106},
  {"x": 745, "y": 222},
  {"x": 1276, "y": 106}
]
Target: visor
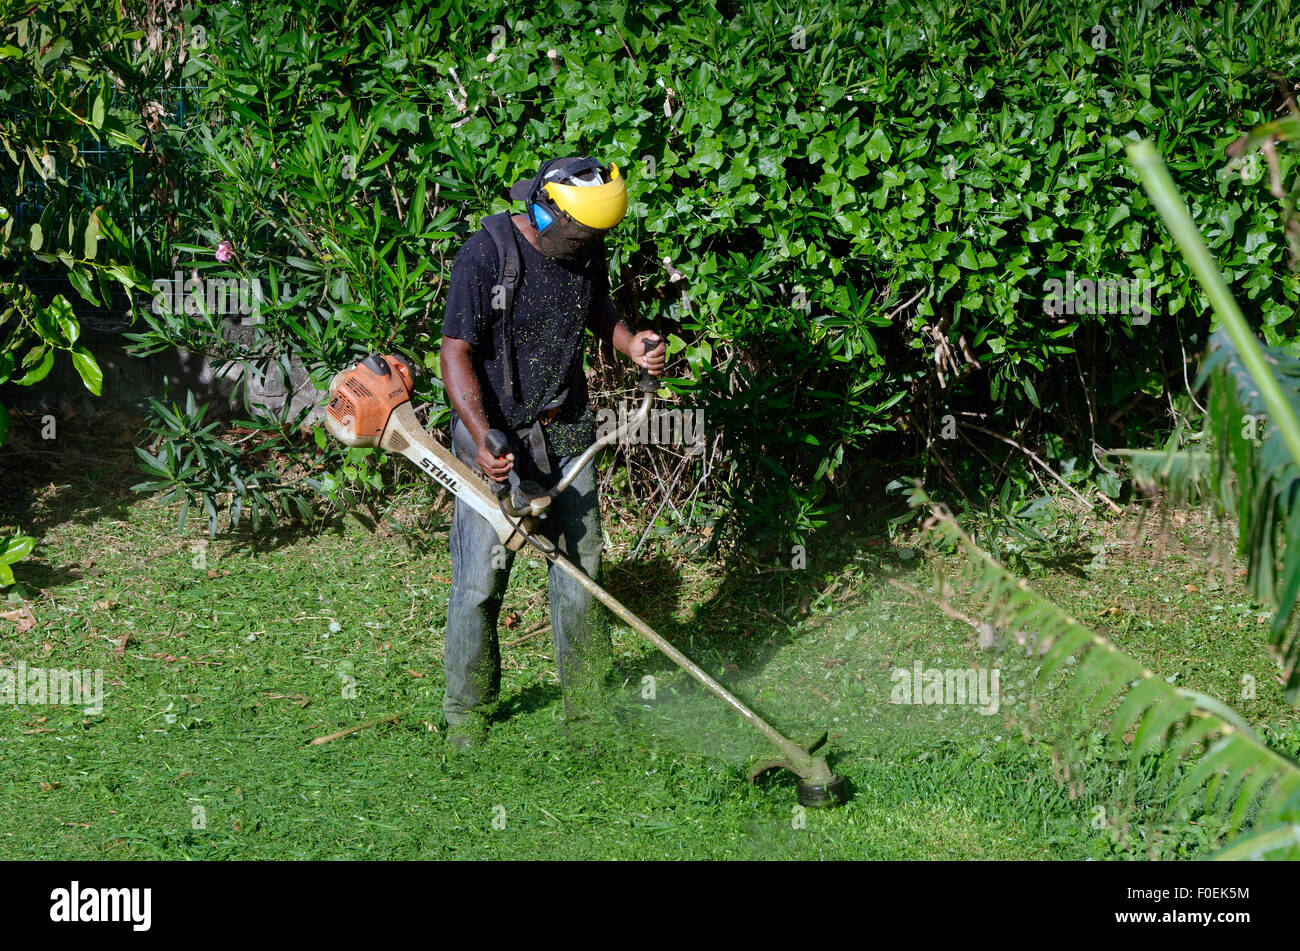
[{"x": 594, "y": 205}]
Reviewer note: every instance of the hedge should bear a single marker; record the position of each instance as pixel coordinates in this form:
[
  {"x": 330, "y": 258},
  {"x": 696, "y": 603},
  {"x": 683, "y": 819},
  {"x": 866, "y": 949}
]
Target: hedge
[{"x": 845, "y": 219}]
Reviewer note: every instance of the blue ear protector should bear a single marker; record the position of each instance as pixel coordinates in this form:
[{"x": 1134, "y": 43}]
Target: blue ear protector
[
  {"x": 541, "y": 218},
  {"x": 538, "y": 215}
]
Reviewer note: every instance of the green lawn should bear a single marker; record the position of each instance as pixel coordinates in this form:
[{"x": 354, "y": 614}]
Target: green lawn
[{"x": 222, "y": 661}]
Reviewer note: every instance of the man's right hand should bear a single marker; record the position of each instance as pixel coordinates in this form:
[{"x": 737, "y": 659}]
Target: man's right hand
[
  {"x": 495, "y": 469},
  {"x": 465, "y": 394}
]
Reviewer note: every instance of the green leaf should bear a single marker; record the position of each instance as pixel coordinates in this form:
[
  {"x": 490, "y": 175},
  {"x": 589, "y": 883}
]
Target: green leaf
[
  {"x": 41, "y": 370},
  {"x": 1030, "y": 393},
  {"x": 65, "y": 320},
  {"x": 99, "y": 108},
  {"x": 130, "y": 278},
  {"x": 91, "y": 239},
  {"x": 303, "y": 264},
  {"x": 963, "y": 130},
  {"x": 401, "y": 119},
  {"x": 878, "y": 148},
  {"x": 42, "y": 230},
  {"x": 89, "y": 370},
  {"x": 16, "y": 549},
  {"x": 78, "y": 278}
]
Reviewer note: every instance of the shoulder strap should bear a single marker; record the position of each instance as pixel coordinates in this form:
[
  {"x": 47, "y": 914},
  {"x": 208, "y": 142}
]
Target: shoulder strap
[{"x": 503, "y": 235}]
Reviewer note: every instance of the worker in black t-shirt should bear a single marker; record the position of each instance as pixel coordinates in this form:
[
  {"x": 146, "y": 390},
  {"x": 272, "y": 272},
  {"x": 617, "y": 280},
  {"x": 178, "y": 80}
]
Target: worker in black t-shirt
[{"x": 519, "y": 369}]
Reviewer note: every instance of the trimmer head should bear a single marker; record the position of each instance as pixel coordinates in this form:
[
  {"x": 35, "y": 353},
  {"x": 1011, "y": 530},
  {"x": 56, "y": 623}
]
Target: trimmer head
[
  {"x": 834, "y": 792},
  {"x": 818, "y": 786}
]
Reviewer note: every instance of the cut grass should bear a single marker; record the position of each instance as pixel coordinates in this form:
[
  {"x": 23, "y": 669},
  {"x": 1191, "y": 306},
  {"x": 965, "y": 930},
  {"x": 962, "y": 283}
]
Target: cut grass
[{"x": 239, "y": 652}]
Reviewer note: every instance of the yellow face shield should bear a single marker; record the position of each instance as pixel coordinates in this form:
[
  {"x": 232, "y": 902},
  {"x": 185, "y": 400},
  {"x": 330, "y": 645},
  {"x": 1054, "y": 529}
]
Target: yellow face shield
[{"x": 596, "y": 206}]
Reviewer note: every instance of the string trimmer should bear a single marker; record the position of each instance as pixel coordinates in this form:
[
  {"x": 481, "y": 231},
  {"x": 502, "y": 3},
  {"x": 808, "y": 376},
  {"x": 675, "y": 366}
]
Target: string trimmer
[{"x": 370, "y": 405}]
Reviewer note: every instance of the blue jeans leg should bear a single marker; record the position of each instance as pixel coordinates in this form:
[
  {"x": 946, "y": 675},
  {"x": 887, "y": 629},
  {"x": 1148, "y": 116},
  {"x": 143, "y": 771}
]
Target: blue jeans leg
[
  {"x": 480, "y": 576},
  {"x": 480, "y": 573}
]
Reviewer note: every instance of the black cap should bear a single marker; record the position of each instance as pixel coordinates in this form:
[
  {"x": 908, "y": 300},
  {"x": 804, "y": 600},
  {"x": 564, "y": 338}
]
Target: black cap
[{"x": 552, "y": 170}]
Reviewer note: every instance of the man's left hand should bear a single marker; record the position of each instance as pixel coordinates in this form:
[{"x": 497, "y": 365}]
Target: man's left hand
[{"x": 653, "y": 361}]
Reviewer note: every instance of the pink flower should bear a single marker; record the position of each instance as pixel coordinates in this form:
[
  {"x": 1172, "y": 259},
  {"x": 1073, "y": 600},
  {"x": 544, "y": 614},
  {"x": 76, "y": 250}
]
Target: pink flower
[{"x": 225, "y": 251}]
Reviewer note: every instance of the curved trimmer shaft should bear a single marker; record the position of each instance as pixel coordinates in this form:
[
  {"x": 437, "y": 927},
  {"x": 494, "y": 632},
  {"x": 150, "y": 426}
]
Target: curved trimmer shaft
[
  {"x": 811, "y": 768},
  {"x": 370, "y": 406},
  {"x": 648, "y": 385},
  {"x": 584, "y": 460}
]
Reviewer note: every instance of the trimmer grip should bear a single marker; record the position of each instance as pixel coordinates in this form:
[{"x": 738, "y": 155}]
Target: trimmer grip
[
  {"x": 649, "y": 382},
  {"x": 496, "y": 443}
]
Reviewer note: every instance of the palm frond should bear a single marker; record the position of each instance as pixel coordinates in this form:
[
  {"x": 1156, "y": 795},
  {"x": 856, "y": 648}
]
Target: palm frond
[
  {"x": 1256, "y": 477},
  {"x": 1257, "y": 480},
  {"x": 1183, "y": 474},
  {"x": 1203, "y": 744},
  {"x": 1279, "y": 843}
]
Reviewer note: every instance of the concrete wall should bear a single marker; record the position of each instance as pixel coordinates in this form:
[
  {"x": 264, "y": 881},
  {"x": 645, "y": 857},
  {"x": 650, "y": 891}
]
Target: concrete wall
[{"x": 130, "y": 381}]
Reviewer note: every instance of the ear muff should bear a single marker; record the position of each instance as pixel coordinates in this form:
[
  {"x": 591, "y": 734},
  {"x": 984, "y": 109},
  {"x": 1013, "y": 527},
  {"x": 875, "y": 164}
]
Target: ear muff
[{"x": 540, "y": 216}]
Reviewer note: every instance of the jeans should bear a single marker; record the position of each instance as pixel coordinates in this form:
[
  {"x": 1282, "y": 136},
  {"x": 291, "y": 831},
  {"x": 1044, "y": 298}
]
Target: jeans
[{"x": 480, "y": 574}]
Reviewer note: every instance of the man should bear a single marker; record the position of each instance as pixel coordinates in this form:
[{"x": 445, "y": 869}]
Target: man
[{"x": 513, "y": 362}]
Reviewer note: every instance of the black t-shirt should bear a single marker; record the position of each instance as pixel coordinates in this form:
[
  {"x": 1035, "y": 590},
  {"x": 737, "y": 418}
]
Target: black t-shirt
[{"x": 552, "y": 304}]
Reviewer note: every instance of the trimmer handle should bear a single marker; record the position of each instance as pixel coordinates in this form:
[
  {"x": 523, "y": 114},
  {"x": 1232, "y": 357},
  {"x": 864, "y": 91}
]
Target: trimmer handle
[
  {"x": 523, "y": 492},
  {"x": 498, "y": 445},
  {"x": 649, "y": 382}
]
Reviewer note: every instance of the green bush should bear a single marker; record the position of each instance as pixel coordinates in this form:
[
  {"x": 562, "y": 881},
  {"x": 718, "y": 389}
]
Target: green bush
[
  {"x": 864, "y": 206},
  {"x": 58, "y": 70}
]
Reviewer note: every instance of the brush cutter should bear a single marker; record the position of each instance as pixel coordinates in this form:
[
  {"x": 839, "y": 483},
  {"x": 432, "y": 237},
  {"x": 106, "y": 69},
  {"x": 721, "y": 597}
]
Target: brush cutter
[{"x": 370, "y": 405}]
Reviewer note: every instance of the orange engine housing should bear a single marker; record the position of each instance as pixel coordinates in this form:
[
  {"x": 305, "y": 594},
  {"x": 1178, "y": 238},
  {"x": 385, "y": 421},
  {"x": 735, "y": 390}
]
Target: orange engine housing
[{"x": 362, "y": 399}]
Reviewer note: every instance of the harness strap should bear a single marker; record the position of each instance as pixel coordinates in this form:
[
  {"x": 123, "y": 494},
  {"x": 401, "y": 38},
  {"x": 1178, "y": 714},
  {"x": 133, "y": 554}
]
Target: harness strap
[
  {"x": 534, "y": 435},
  {"x": 502, "y": 232}
]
